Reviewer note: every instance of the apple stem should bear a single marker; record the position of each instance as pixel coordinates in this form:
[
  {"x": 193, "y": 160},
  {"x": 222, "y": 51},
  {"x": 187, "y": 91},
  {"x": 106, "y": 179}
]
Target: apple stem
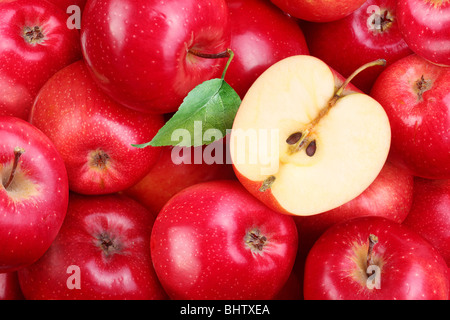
[
  {"x": 230, "y": 57},
  {"x": 379, "y": 62},
  {"x": 17, "y": 153},
  {"x": 223, "y": 54},
  {"x": 373, "y": 240}
]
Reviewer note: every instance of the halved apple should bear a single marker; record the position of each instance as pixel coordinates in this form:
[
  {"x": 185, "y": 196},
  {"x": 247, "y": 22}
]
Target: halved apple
[{"x": 304, "y": 142}]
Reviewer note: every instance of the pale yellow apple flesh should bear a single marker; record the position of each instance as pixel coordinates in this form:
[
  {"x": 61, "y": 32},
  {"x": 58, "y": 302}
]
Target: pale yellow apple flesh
[{"x": 352, "y": 138}]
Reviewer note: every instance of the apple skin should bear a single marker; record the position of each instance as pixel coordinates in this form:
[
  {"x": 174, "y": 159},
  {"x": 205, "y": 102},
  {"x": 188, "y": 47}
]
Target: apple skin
[
  {"x": 64, "y": 4},
  {"x": 430, "y": 213},
  {"x": 267, "y": 197},
  {"x": 199, "y": 247},
  {"x": 25, "y": 67},
  {"x": 146, "y": 65},
  {"x": 420, "y": 123},
  {"x": 389, "y": 196},
  {"x": 157, "y": 187},
  {"x": 425, "y": 26},
  {"x": 10, "y": 287},
  {"x": 357, "y": 43},
  {"x": 261, "y": 34},
  {"x": 411, "y": 268},
  {"x": 34, "y": 206},
  {"x": 319, "y": 10},
  {"x": 108, "y": 238},
  {"x": 93, "y": 133}
]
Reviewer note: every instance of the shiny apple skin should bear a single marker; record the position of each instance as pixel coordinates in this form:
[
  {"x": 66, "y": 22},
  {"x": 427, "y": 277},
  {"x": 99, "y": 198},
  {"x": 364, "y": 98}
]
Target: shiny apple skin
[
  {"x": 420, "y": 124},
  {"x": 199, "y": 247},
  {"x": 157, "y": 187},
  {"x": 137, "y": 50},
  {"x": 261, "y": 34},
  {"x": 10, "y": 287},
  {"x": 81, "y": 120},
  {"x": 425, "y": 26},
  {"x": 357, "y": 43},
  {"x": 25, "y": 67},
  {"x": 318, "y": 10},
  {"x": 389, "y": 196},
  {"x": 412, "y": 270},
  {"x": 430, "y": 213},
  {"x": 123, "y": 272},
  {"x": 29, "y": 222}
]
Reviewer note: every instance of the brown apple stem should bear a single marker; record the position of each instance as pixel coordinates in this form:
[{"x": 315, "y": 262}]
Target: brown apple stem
[
  {"x": 373, "y": 240},
  {"x": 379, "y": 62},
  {"x": 223, "y": 54},
  {"x": 306, "y": 138},
  {"x": 17, "y": 153}
]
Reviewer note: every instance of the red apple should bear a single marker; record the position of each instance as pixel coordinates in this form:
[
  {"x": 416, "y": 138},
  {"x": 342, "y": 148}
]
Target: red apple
[
  {"x": 10, "y": 287},
  {"x": 425, "y": 26},
  {"x": 414, "y": 93},
  {"x": 33, "y": 193},
  {"x": 93, "y": 133},
  {"x": 430, "y": 213},
  {"x": 369, "y": 33},
  {"x": 176, "y": 170},
  {"x": 374, "y": 258},
  {"x": 305, "y": 143},
  {"x": 36, "y": 43},
  {"x": 102, "y": 252},
  {"x": 292, "y": 289},
  {"x": 389, "y": 196},
  {"x": 261, "y": 34},
  {"x": 318, "y": 10},
  {"x": 214, "y": 240},
  {"x": 147, "y": 55},
  {"x": 65, "y": 4}
]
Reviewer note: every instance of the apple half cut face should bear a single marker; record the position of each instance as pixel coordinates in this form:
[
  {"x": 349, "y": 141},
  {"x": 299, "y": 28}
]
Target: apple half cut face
[{"x": 302, "y": 144}]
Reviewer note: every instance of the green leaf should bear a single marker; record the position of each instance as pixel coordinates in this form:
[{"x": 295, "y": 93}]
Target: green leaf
[{"x": 205, "y": 115}]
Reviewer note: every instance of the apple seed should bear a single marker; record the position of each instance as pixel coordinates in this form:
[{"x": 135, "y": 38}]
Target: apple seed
[
  {"x": 311, "y": 149},
  {"x": 294, "y": 138}
]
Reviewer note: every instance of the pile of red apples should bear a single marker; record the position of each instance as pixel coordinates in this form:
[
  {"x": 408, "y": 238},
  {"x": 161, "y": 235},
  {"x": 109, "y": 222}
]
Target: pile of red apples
[{"x": 333, "y": 181}]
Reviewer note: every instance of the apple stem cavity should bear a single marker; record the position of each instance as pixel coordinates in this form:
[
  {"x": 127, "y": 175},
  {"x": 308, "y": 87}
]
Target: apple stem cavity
[
  {"x": 373, "y": 240},
  {"x": 382, "y": 22},
  {"x": 17, "y": 153},
  {"x": 33, "y": 35}
]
